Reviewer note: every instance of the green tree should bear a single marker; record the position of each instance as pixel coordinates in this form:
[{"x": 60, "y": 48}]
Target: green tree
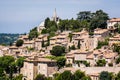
[
  {"x": 78, "y": 44},
  {"x": 102, "y": 43},
  {"x": 40, "y": 77},
  {"x": 61, "y": 62},
  {"x": 58, "y": 50},
  {"x": 72, "y": 47},
  {"x": 78, "y": 75},
  {"x": 19, "y": 77},
  {"x": 117, "y": 60},
  {"x": 99, "y": 20},
  {"x": 101, "y": 62},
  {"x": 118, "y": 76},
  {"x": 33, "y": 33},
  {"x": 19, "y": 63},
  {"x": 118, "y": 27},
  {"x": 46, "y": 22},
  {"x": 84, "y": 15},
  {"x": 86, "y": 78},
  {"x": 19, "y": 43},
  {"x": 44, "y": 31},
  {"x": 2, "y": 72},
  {"x": 52, "y": 34},
  {"x": 7, "y": 63},
  {"x": 104, "y": 75},
  {"x": 43, "y": 43},
  {"x": 116, "y": 48},
  {"x": 70, "y": 36},
  {"x": 66, "y": 75}
]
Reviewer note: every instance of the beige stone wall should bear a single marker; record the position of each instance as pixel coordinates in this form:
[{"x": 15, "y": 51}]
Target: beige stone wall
[
  {"x": 52, "y": 42},
  {"x": 92, "y": 62},
  {"x": 42, "y": 69},
  {"x": 91, "y": 70},
  {"x": 38, "y": 45},
  {"x": 29, "y": 45},
  {"x": 80, "y": 56},
  {"x": 28, "y": 71}
]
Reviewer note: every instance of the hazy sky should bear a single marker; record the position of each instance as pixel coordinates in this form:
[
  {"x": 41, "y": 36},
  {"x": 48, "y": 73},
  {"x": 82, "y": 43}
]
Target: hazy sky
[{"x": 19, "y": 16}]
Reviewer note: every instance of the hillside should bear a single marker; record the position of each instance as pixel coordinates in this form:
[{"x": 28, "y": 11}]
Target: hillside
[{"x": 6, "y": 39}]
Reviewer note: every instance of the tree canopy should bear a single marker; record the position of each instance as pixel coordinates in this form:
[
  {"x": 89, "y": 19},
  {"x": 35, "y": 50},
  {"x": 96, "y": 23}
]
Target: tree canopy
[
  {"x": 94, "y": 20},
  {"x": 8, "y": 65},
  {"x": 104, "y": 75},
  {"x": 101, "y": 62},
  {"x": 67, "y": 75},
  {"x": 58, "y": 50},
  {"x": 33, "y": 33},
  {"x": 19, "y": 43},
  {"x": 61, "y": 62}
]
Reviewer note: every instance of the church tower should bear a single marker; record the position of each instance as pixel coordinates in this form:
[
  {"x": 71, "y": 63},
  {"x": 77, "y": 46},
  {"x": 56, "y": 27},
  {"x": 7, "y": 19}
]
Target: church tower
[{"x": 55, "y": 17}]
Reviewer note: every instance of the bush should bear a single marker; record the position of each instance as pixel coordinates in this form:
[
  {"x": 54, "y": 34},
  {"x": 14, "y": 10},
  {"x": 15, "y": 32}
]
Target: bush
[
  {"x": 61, "y": 62},
  {"x": 69, "y": 65},
  {"x": 110, "y": 64},
  {"x": 33, "y": 33},
  {"x": 101, "y": 43},
  {"x": 19, "y": 43},
  {"x": 58, "y": 50},
  {"x": 101, "y": 62}
]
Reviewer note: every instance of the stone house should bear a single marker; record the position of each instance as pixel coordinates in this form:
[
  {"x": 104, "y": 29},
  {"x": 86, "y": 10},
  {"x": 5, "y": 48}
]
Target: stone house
[
  {"x": 101, "y": 34},
  {"x": 111, "y": 24},
  {"x": 114, "y": 40},
  {"x": 37, "y": 65},
  {"x": 29, "y": 44}
]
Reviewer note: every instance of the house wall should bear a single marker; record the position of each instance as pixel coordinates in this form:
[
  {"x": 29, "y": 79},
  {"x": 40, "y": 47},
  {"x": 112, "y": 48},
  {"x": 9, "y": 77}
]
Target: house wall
[
  {"x": 38, "y": 45},
  {"x": 28, "y": 71},
  {"x": 80, "y": 56},
  {"x": 91, "y": 70},
  {"x": 42, "y": 68}
]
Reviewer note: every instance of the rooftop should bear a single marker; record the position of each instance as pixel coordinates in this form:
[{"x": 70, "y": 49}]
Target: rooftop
[
  {"x": 114, "y": 20},
  {"x": 100, "y": 31}
]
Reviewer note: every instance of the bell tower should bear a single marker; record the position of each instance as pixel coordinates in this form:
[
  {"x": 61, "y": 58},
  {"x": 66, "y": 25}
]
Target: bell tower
[{"x": 55, "y": 16}]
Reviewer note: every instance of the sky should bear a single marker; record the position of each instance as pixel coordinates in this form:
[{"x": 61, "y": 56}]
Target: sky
[{"x": 19, "y": 16}]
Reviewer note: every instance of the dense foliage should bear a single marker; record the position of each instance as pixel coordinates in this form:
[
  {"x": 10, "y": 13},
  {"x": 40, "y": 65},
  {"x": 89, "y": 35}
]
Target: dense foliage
[
  {"x": 7, "y": 39},
  {"x": 33, "y": 33},
  {"x": 102, "y": 43},
  {"x": 67, "y": 75},
  {"x": 50, "y": 27},
  {"x": 117, "y": 76},
  {"x": 58, "y": 50},
  {"x": 104, "y": 75},
  {"x": 19, "y": 43},
  {"x": 40, "y": 77},
  {"x": 101, "y": 62},
  {"x": 116, "y": 48},
  {"x": 85, "y": 19},
  {"x": 118, "y": 60},
  {"x": 61, "y": 62},
  {"x": 8, "y": 65},
  {"x": 78, "y": 44}
]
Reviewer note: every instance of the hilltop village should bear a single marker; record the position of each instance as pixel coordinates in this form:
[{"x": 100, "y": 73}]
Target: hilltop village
[{"x": 49, "y": 50}]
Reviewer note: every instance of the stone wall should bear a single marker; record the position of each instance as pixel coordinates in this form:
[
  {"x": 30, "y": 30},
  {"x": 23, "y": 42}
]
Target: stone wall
[{"x": 91, "y": 70}]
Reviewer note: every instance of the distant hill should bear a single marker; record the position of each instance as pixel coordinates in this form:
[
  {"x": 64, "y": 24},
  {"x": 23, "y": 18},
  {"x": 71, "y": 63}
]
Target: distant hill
[{"x": 6, "y": 39}]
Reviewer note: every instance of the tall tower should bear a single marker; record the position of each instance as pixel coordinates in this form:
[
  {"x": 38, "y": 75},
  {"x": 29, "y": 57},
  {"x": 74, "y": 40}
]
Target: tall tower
[{"x": 55, "y": 16}]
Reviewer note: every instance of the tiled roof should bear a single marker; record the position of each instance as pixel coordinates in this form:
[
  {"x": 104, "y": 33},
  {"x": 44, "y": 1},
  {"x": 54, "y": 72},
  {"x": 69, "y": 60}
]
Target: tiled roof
[{"x": 114, "y": 20}]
